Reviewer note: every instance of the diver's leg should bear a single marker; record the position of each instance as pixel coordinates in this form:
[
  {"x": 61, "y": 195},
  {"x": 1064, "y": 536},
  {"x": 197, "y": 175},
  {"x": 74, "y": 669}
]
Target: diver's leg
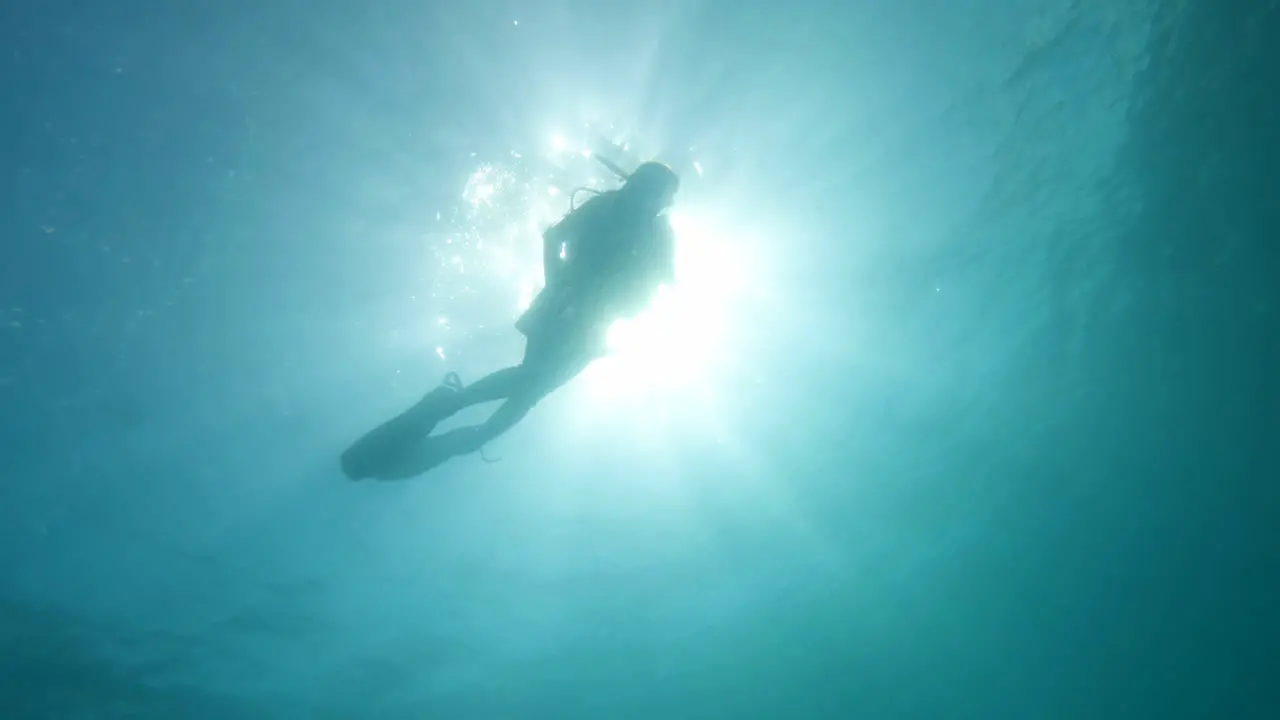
[
  {"x": 497, "y": 385},
  {"x": 539, "y": 360},
  {"x": 536, "y": 384},
  {"x": 527, "y": 389},
  {"x": 548, "y": 364},
  {"x": 388, "y": 452},
  {"x": 434, "y": 450},
  {"x": 425, "y": 453}
]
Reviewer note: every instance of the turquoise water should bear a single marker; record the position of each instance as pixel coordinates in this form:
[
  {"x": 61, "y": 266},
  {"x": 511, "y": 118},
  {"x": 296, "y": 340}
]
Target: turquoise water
[{"x": 962, "y": 406}]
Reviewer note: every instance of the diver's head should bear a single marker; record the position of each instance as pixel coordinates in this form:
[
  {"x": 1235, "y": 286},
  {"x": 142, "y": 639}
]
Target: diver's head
[{"x": 653, "y": 186}]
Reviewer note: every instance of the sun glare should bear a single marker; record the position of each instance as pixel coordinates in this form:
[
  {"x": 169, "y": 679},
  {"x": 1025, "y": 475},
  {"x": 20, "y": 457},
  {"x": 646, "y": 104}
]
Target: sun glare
[
  {"x": 677, "y": 344},
  {"x": 681, "y": 338}
]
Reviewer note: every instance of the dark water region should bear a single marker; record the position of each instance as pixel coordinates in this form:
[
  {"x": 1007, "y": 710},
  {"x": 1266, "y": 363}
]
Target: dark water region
[{"x": 1090, "y": 536}]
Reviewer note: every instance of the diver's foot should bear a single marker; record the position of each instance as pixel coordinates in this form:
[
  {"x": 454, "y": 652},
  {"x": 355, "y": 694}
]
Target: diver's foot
[
  {"x": 451, "y": 380},
  {"x": 440, "y": 397}
]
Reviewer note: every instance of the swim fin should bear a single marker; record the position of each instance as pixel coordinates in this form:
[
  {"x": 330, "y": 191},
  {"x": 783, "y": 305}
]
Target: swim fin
[{"x": 382, "y": 453}]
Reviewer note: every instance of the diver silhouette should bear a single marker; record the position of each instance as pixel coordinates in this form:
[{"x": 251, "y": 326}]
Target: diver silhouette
[{"x": 602, "y": 261}]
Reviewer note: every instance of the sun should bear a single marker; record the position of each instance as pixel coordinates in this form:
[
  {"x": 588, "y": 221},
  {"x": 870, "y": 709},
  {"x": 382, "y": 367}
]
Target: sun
[{"x": 681, "y": 339}]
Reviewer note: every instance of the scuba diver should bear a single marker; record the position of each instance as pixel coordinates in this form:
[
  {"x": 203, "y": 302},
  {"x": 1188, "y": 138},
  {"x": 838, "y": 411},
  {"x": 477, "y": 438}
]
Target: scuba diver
[{"x": 602, "y": 261}]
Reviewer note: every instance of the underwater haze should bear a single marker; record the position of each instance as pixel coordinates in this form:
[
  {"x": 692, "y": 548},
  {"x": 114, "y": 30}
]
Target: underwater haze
[{"x": 963, "y": 404}]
